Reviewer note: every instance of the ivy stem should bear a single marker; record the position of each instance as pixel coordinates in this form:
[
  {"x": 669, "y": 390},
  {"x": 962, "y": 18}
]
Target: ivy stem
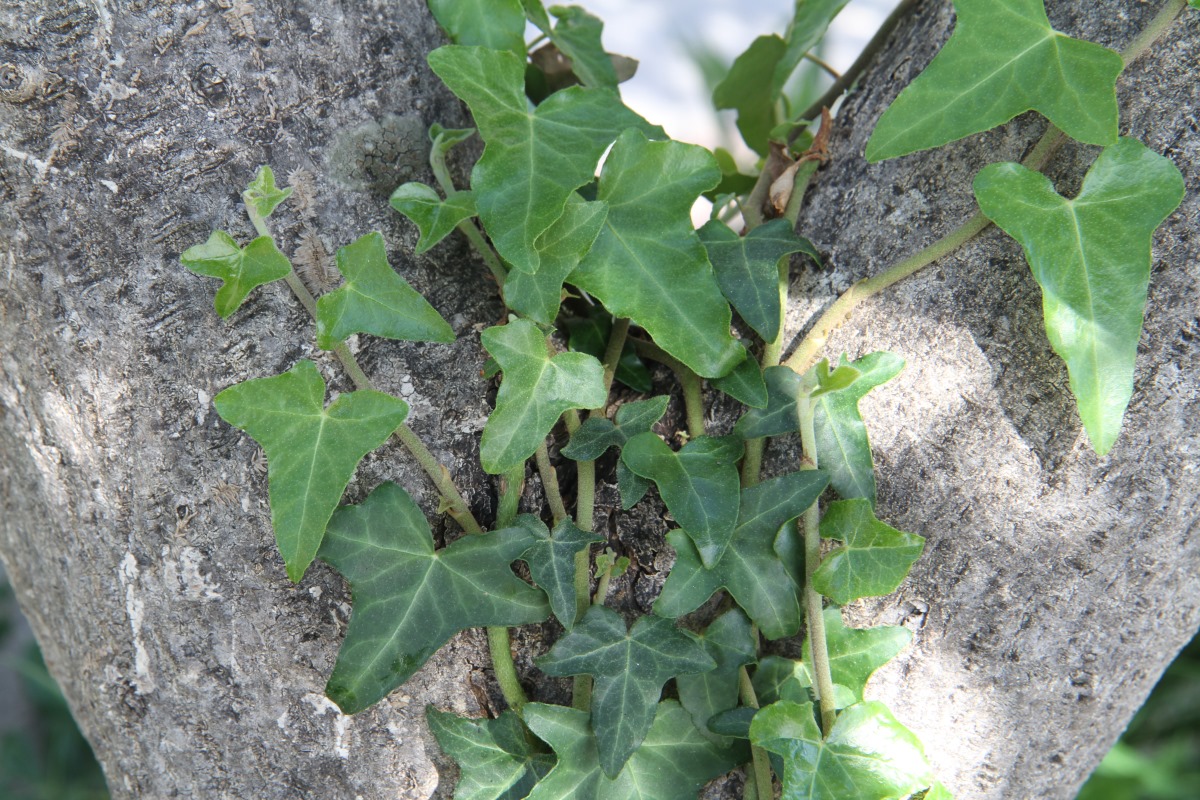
[
  {"x": 693, "y": 399},
  {"x": 500, "y": 649},
  {"x": 437, "y": 161},
  {"x": 511, "y": 484},
  {"x": 1154, "y": 29},
  {"x": 550, "y": 483},
  {"x": 761, "y": 764},
  {"x": 823, "y": 64},
  {"x": 602, "y": 582}
]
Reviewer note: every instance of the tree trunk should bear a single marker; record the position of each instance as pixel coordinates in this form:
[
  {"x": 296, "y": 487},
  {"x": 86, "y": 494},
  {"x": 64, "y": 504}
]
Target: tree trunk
[{"x": 1055, "y": 586}]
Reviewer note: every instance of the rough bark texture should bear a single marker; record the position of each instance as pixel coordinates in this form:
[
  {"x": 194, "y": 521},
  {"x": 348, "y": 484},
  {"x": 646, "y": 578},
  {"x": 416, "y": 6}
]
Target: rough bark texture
[{"x": 1055, "y": 586}]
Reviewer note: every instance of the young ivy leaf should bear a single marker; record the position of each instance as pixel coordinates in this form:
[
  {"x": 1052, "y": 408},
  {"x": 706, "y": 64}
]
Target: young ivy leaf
[
  {"x": 730, "y": 641},
  {"x": 630, "y": 668},
  {"x": 533, "y": 161},
  {"x": 591, "y": 334},
  {"x": 699, "y": 485},
  {"x": 806, "y": 29},
  {"x": 747, "y": 268},
  {"x": 673, "y": 762},
  {"x": 498, "y": 24},
  {"x": 262, "y": 194},
  {"x": 312, "y": 451},
  {"x": 751, "y": 568},
  {"x": 596, "y": 434},
  {"x": 494, "y": 756},
  {"x": 1091, "y": 257},
  {"x": 874, "y": 558},
  {"x": 648, "y": 264},
  {"x": 868, "y": 755},
  {"x": 855, "y": 653},
  {"x": 551, "y": 560},
  {"x": 535, "y": 390},
  {"x": 1003, "y": 59},
  {"x": 410, "y": 599},
  {"x": 434, "y": 217},
  {"x": 577, "y": 35},
  {"x": 748, "y": 89},
  {"x": 375, "y": 300},
  {"x": 240, "y": 270}
]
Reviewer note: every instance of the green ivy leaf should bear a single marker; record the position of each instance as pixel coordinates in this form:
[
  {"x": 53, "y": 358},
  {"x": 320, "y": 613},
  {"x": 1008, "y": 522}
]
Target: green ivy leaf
[
  {"x": 673, "y": 762},
  {"x": 730, "y": 641},
  {"x": 982, "y": 79},
  {"x": 597, "y": 434},
  {"x": 699, "y": 485},
  {"x": 630, "y": 668},
  {"x": 498, "y": 24},
  {"x": 783, "y": 388},
  {"x": 855, "y": 653},
  {"x": 748, "y": 88},
  {"x": 535, "y": 390},
  {"x": 778, "y": 678},
  {"x": 533, "y": 161},
  {"x": 262, "y": 195},
  {"x": 1091, "y": 257},
  {"x": 631, "y": 486},
  {"x": 434, "y": 217},
  {"x": 591, "y": 334},
  {"x": 1194, "y": 3},
  {"x": 551, "y": 560},
  {"x": 410, "y": 599},
  {"x": 745, "y": 384},
  {"x": 577, "y": 35},
  {"x": 535, "y": 12},
  {"x": 494, "y": 756},
  {"x": 867, "y": 755},
  {"x": 747, "y": 268},
  {"x": 375, "y": 300},
  {"x": 240, "y": 270},
  {"x": 807, "y": 28},
  {"x": 312, "y": 451},
  {"x": 751, "y": 568},
  {"x": 648, "y": 264},
  {"x": 444, "y": 139},
  {"x": 874, "y": 558}
]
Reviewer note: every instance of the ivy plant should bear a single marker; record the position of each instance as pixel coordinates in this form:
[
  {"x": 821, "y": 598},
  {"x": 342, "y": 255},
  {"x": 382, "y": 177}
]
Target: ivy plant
[{"x": 608, "y": 284}]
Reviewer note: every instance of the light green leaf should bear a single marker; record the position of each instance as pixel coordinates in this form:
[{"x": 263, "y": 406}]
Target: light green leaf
[
  {"x": 874, "y": 558},
  {"x": 262, "y": 195},
  {"x": 751, "y": 568},
  {"x": 855, "y": 653},
  {"x": 577, "y": 34},
  {"x": 832, "y": 380},
  {"x": 410, "y": 599},
  {"x": 498, "y": 24},
  {"x": 867, "y": 755},
  {"x": 535, "y": 390},
  {"x": 748, "y": 88},
  {"x": 494, "y": 756},
  {"x": 312, "y": 451},
  {"x": 747, "y": 268},
  {"x": 745, "y": 384},
  {"x": 699, "y": 485},
  {"x": 730, "y": 642},
  {"x": 444, "y": 139},
  {"x": 240, "y": 270},
  {"x": 375, "y": 300},
  {"x": 630, "y": 668},
  {"x": 434, "y": 217},
  {"x": 1003, "y": 59},
  {"x": 534, "y": 160},
  {"x": 673, "y": 762},
  {"x": 591, "y": 334},
  {"x": 779, "y": 417},
  {"x": 597, "y": 434},
  {"x": 808, "y": 26},
  {"x": 551, "y": 560},
  {"x": 1194, "y": 3},
  {"x": 648, "y": 264},
  {"x": 1091, "y": 256}
]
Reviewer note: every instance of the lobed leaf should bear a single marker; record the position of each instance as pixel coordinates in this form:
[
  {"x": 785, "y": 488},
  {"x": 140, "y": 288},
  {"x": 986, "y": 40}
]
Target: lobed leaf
[
  {"x": 874, "y": 558},
  {"x": 410, "y": 599},
  {"x": 434, "y": 217},
  {"x": 495, "y": 757},
  {"x": 262, "y": 195},
  {"x": 375, "y": 300},
  {"x": 551, "y": 560},
  {"x": 779, "y": 416},
  {"x": 1091, "y": 257},
  {"x": 730, "y": 641},
  {"x": 240, "y": 269},
  {"x": 312, "y": 451},
  {"x": 498, "y": 24},
  {"x": 597, "y": 434},
  {"x": 855, "y": 653}
]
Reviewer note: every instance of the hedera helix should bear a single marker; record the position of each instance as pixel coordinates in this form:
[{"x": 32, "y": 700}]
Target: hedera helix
[{"x": 687, "y": 693}]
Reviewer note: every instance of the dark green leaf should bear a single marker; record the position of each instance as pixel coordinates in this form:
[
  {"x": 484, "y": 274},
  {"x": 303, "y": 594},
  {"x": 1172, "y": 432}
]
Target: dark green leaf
[
  {"x": 433, "y": 216},
  {"x": 1091, "y": 256},
  {"x": 747, "y": 88},
  {"x": 632, "y": 487},
  {"x": 734, "y": 722},
  {"x": 630, "y": 668},
  {"x": 240, "y": 270},
  {"x": 698, "y": 484},
  {"x": 1003, "y": 59},
  {"x": 855, "y": 653},
  {"x": 577, "y": 35},
  {"x": 551, "y": 560},
  {"x": 597, "y": 434},
  {"x": 747, "y": 268},
  {"x": 648, "y": 264},
  {"x": 498, "y": 24},
  {"x": 778, "y": 678},
  {"x": 874, "y": 558},
  {"x": 730, "y": 642},
  {"x": 535, "y": 390},
  {"x": 751, "y": 568},
  {"x": 533, "y": 160},
  {"x": 590, "y": 335},
  {"x": 745, "y": 384},
  {"x": 494, "y": 756},
  {"x": 375, "y": 300},
  {"x": 779, "y": 417},
  {"x": 312, "y": 451},
  {"x": 410, "y": 599},
  {"x": 868, "y": 755},
  {"x": 808, "y": 26},
  {"x": 262, "y": 194}
]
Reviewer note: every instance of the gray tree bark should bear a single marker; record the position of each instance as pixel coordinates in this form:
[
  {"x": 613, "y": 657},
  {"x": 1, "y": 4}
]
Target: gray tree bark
[{"x": 1055, "y": 587}]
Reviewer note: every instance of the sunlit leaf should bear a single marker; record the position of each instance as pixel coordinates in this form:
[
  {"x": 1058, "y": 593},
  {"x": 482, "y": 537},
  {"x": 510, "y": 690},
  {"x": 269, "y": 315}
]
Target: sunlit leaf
[
  {"x": 731, "y": 643},
  {"x": 873, "y": 559},
  {"x": 1002, "y": 60},
  {"x": 597, "y": 434},
  {"x": 262, "y": 194},
  {"x": 1091, "y": 257},
  {"x": 494, "y": 756},
  {"x": 434, "y": 217},
  {"x": 855, "y": 653},
  {"x": 748, "y": 88},
  {"x": 375, "y": 300},
  {"x": 498, "y": 24},
  {"x": 630, "y": 668},
  {"x": 409, "y": 599},
  {"x": 535, "y": 390},
  {"x": 551, "y": 560},
  {"x": 312, "y": 451},
  {"x": 240, "y": 270}
]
